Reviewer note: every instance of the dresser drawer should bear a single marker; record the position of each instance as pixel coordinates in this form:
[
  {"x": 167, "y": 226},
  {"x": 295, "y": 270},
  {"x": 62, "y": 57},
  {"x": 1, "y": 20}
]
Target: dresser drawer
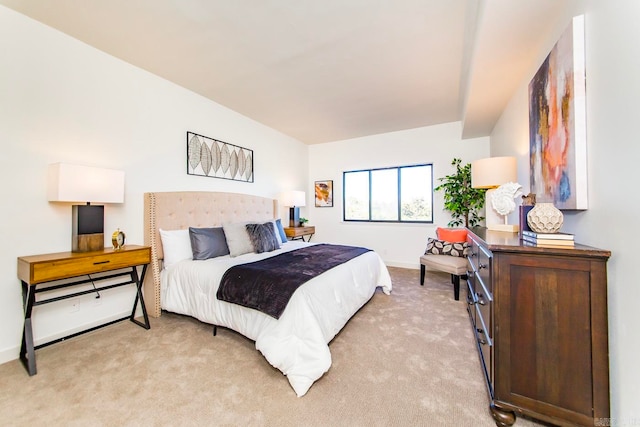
[
  {"x": 482, "y": 294},
  {"x": 53, "y": 268},
  {"x": 473, "y": 254},
  {"x": 484, "y": 272},
  {"x": 482, "y": 327},
  {"x": 485, "y": 343},
  {"x": 299, "y": 231},
  {"x": 483, "y": 306}
]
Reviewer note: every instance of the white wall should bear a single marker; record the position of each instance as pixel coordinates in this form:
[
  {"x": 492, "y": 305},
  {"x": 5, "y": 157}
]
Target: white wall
[
  {"x": 613, "y": 90},
  {"x": 398, "y": 244},
  {"x": 63, "y": 101}
]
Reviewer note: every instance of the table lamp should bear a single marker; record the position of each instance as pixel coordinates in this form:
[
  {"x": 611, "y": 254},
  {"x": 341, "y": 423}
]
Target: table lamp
[
  {"x": 74, "y": 183},
  {"x": 490, "y": 173},
  {"x": 294, "y": 199}
]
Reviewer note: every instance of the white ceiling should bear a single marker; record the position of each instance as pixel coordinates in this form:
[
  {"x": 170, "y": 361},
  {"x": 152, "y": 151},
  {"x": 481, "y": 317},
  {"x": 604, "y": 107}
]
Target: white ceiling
[{"x": 324, "y": 70}]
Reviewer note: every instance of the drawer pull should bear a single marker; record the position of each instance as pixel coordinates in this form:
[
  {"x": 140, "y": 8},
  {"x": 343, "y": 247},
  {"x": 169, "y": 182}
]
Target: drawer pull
[
  {"x": 481, "y": 300},
  {"x": 482, "y": 341},
  {"x": 101, "y": 262},
  {"x": 481, "y": 266},
  {"x": 480, "y": 331}
]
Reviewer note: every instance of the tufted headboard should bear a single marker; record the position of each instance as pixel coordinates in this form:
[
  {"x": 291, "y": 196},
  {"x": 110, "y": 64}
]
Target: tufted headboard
[{"x": 184, "y": 209}]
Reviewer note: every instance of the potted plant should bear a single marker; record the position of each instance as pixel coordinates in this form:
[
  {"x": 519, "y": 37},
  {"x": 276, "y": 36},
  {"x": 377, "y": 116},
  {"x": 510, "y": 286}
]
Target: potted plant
[
  {"x": 303, "y": 220},
  {"x": 463, "y": 201}
]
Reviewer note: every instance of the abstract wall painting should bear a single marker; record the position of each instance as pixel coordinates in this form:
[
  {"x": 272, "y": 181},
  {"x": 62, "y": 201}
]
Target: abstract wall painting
[
  {"x": 324, "y": 193},
  {"x": 557, "y": 123},
  {"x": 217, "y": 159}
]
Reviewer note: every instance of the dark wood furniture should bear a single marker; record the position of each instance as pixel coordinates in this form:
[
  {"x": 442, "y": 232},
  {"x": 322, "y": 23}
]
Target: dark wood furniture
[
  {"x": 114, "y": 268},
  {"x": 539, "y": 317},
  {"x": 294, "y": 233}
]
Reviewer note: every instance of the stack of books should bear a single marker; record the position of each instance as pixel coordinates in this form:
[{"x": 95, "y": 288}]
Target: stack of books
[{"x": 531, "y": 238}]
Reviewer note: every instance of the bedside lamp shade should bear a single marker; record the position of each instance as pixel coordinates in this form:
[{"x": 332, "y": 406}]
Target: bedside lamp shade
[
  {"x": 74, "y": 183},
  {"x": 84, "y": 184},
  {"x": 294, "y": 199},
  {"x": 491, "y": 173}
]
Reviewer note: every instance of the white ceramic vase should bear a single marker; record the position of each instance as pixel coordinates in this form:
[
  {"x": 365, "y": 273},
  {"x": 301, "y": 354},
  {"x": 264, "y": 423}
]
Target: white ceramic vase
[{"x": 545, "y": 218}]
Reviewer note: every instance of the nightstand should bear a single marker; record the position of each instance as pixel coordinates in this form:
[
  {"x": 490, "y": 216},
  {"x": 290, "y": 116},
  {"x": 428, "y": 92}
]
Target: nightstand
[
  {"x": 294, "y": 233},
  {"x": 83, "y": 268}
]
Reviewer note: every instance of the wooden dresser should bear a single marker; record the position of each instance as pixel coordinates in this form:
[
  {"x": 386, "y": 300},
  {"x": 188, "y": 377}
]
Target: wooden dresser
[{"x": 539, "y": 316}]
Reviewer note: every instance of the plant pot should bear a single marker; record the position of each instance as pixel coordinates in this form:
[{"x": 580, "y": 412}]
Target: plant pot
[{"x": 545, "y": 218}]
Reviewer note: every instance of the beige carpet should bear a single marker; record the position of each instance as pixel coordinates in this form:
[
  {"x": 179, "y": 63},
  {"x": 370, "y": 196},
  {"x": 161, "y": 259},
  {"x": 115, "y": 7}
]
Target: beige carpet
[{"x": 404, "y": 360}]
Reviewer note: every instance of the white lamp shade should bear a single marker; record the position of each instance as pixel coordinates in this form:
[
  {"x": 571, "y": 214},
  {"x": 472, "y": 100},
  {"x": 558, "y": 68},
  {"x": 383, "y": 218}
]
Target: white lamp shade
[
  {"x": 293, "y": 198},
  {"x": 492, "y": 172},
  {"x": 74, "y": 183}
]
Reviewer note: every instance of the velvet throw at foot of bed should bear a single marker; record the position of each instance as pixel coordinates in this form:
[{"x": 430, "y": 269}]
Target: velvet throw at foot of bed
[{"x": 267, "y": 285}]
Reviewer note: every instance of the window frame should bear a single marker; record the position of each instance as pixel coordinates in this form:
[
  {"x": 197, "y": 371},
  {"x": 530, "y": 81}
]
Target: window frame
[{"x": 398, "y": 169}]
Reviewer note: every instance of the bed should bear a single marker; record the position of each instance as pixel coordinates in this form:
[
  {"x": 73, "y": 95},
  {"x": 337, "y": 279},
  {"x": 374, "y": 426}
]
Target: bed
[{"x": 296, "y": 343}]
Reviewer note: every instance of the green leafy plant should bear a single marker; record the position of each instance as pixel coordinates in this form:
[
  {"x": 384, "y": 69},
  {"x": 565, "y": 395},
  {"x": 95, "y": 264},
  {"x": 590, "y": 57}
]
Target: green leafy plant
[
  {"x": 303, "y": 220},
  {"x": 463, "y": 201}
]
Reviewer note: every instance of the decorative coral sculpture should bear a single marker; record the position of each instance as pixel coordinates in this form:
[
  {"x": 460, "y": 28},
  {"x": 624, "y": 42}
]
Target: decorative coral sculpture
[{"x": 503, "y": 200}]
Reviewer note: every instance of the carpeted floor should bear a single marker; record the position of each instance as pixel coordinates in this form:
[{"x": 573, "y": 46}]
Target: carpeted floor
[{"x": 407, "y": 359}]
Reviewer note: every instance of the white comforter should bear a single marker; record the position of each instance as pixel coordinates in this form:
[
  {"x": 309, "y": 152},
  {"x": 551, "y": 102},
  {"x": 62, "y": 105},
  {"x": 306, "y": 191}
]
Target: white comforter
[{"x": 297, "y": 343}]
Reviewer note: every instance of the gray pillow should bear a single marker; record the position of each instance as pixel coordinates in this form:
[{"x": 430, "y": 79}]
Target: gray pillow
[
  {"x": 237, "y": 238},
  {"x": 263, "y": 237},
  {"x": 208, "y": 242}
]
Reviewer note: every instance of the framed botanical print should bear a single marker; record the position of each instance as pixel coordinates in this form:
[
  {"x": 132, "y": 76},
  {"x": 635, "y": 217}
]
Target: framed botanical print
[{"x": 324, "y": 193}]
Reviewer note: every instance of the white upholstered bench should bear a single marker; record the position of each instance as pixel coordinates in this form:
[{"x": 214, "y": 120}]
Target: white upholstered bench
[{"x": 456, "y": 266}]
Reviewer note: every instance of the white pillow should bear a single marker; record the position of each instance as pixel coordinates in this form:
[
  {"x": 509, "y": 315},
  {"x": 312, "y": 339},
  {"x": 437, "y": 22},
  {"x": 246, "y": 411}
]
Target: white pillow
[
  {"x": 237, "y": 237},
  {"x": 176, "y": 246}
]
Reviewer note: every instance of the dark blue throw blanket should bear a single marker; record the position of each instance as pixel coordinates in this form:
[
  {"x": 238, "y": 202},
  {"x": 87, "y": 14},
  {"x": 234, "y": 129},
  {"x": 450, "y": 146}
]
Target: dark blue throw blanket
[{"x": 268, "y": 284}]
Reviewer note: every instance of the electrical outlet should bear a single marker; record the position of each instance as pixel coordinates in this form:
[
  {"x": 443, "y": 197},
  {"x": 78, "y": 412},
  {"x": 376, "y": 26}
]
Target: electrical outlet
[{"x": 75, "y": 305}]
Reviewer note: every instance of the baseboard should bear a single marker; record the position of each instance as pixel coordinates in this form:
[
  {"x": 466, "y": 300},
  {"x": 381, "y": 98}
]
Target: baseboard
[
  {"x": 9, "y": 354},
  {"x": 13, "y": 353},
  {"x": 402, "y": 265}
]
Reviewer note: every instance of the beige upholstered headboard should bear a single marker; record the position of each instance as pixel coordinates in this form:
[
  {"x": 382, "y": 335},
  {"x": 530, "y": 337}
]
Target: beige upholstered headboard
[{"x": 184, "y": 209}]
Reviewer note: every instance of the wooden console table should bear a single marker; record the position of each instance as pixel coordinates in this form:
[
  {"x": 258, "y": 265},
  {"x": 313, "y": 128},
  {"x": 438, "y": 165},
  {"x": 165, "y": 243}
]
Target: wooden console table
[
  {"x": 37, "y": 270},
  {"x": 294, "y": 233}
]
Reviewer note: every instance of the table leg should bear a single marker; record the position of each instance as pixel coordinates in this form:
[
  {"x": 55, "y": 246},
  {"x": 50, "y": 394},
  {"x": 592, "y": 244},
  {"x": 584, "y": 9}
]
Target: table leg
[
  {"x": 27, "y": 351},
  {"x": 139, "y": 297}
]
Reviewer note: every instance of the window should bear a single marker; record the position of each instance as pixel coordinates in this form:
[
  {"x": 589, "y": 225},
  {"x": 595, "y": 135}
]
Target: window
[{"x": 397, "y": 194}]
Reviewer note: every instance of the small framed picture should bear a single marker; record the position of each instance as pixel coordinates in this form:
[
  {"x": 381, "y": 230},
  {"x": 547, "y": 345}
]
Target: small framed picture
[{"x": 324, "y": 193}]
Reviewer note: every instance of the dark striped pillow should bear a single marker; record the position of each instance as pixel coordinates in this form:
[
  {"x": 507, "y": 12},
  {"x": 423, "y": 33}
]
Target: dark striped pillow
[{"x": 263, "y": 237}]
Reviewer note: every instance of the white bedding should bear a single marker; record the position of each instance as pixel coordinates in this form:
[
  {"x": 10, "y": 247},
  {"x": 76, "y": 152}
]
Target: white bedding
[{"x": 297, "y": 343}]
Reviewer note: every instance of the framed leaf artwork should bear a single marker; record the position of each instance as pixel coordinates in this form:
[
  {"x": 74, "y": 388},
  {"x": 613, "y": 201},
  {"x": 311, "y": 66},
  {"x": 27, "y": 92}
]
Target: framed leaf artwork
[{"x": 218, "y": 159}]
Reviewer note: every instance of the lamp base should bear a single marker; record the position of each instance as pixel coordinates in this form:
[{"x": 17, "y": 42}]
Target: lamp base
[
  {"x": 503, "y": 227},
  {"x": 87, "y": 242},
  {"x": 294, "y": 216},
  {"x": 87, "y": 234}
]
